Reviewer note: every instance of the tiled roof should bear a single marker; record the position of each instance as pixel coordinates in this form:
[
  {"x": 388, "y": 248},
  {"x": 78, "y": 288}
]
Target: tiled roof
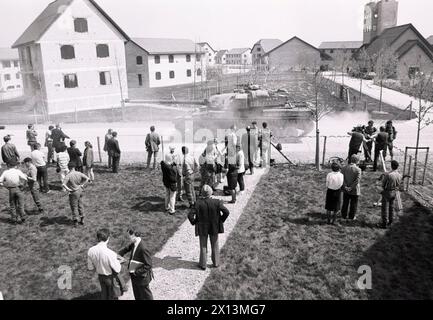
[
  {"x": 220, "y": 53},
  {"x": 8, "y": 54},
  {"x": 51, "y": 13},
  {"x": 387, "y": 37},
  {"x": 268, "y": 44},
  {"x": 238, "y": 50},
  {"x": 340, "y": 45},
  {"x": 202, "y": 44},
  {"x": 291, "y": 39},
  {"x": 164, "y": 46}
]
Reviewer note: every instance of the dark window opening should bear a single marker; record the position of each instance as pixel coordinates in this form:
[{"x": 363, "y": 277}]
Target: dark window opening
[
  {"x": 81, "y": 25},
  {"x": 102, "y": 51},
  {"x": 158, "y": 76},
  {"x": 171, "y": 74},
  {"x": 104, "y": 78},
  {"x": 199, "y": 72},
  {"x": 139, "y": 60},
  {"x": 188, "y": 58},
  {"x": 188, "y": 73},
  {"x": 171, "y": 58},
  {"x": 67, "y": 52},
  {"x": 71, "y": 81},
  {"x": 157, "y": 59},
  {"x": 140, "y": 80}
]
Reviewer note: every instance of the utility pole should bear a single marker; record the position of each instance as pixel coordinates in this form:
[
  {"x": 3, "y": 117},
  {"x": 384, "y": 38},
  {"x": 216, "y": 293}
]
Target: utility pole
[{"x": 122, "y": 101}]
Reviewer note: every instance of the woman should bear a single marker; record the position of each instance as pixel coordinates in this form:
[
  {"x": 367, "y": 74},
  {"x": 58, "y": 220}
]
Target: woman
[
  {"x": 88, "y": 161},
  {"x": 334, "y": 183}
]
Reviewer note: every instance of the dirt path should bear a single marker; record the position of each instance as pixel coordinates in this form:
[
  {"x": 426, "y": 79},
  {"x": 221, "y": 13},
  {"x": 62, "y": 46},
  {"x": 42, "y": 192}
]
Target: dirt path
[{"x": 177, "y": 276}]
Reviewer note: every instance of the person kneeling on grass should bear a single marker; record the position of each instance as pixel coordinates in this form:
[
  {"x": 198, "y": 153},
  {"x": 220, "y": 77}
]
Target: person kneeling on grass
[
  {"x": 208, "y": 216},
  {"x": 169, "y": 178},
  {"x": 74, "y": 183},
  {"x": 334, "y": 182}
]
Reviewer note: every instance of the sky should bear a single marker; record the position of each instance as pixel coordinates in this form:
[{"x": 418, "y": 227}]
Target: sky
[{"x": 227, "y": 24}]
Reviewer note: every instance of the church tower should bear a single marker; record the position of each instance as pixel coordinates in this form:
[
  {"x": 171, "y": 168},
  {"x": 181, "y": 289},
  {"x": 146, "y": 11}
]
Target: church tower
[{"x": 379, "y": 16}]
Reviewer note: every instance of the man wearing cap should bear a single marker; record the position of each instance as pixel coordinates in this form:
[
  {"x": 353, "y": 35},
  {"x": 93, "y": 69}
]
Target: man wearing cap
[
  {"x": 9, "y": 151},
  {"x": 351, "y": 187},
  {"x": 189, "y": 168},
  {"x": 114, "y": 151},
  {"x": 152, "y": 147},
  {"x": 12, "y": 180},
  {"x": 369, "y": 132},
  {"x": 208, "y": 216}
]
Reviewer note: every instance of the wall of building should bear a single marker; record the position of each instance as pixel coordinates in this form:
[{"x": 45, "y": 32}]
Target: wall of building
[
  {"x": 294, "y": 55},
  {"x": 209, "y": 56},
  {"x": 11, "y": 84},
  {"x": 134, "y": 69},
  {"x": 239, "y": 59},
  {"x": 416, "y": 57},
  {"x": 387, "y": 11},
  {"x": 89, "y": 94}
]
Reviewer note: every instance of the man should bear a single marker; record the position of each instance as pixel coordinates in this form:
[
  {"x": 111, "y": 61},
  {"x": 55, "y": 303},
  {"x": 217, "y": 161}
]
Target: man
[
  {"x": 240, "y": 160},
  {"x": 356, "y": 141},
  {"x": 369, "y": 132},
  {"x": 189, "y": 168},
  {"x": 381, "y": 143},
  {"x": 12, "y": 179},
  {"x": 32, "y": 178},
  {"x": 114, "y": 151},
  {"x": 249, "y": 150},
  {"x": 104, "y": 261},
  {"x": 176, "y": 159},
  {"x": 208, "y": 217},
  {"x": 169, "y": 178},
  {"x": 231, "y": 141},
  {"x": 9, "y": 151},
  {"x": 74, "y": 183},
  {"x": 139, "y": 266},
  {"x": 58, "y": 137},
  {"x": 254, "y": 144},
  {"x": 351, "y": 188},
  {"x": 265, "y": 142},
  {"x": 62, "y": 159},
  {"x": 49, "y": 144},
  {"x": 38, "y": 160},
  {"x": 31, "y": 135},
  {"x": 391, "y": 184},
  {"x": 152, "y": 147},
  {"x": 392, "y": 135},
  {"x": 75, "y": 156},
  {"x": 108, "y": 136}
]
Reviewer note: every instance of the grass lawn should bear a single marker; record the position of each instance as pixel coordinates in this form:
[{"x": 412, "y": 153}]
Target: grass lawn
[
  {"x": 283, "y": 249},
  {"x": 32, "y": 253}
]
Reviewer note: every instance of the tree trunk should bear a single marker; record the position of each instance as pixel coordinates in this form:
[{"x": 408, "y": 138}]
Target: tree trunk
[
  {"x": 380, "y": 100},
  {"x": 418, "y": 132},
  {"x": 360, "y": 89},
  {"x": 317, "y": 128}
]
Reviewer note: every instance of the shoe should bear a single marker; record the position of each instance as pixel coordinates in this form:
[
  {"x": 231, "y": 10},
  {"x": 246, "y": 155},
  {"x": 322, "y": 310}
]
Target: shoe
[
  {"x": 202, "y": 268},
  {"x": 172, "y": 213},
  {"x": 232, "y": 202},
  {"x": 215, "y": 266}
]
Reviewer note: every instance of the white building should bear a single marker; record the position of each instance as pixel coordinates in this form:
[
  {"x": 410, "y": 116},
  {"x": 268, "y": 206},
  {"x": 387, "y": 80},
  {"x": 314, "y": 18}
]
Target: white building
[
  {"x": 210, "y": 53},
  {"x": 221, "y": 57},
  {"x": 10, "y": 74},
  {"x": 73, "y": 58},
  {"x": 239, "y": 56},
  {"x": 153, "y": 63}
]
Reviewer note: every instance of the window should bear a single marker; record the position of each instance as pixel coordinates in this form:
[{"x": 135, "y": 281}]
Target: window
[
  {"x": 413, "y": 72},
  {"x": 199, "y": 72},
  {"x": 102, "y": 51},
  {"x": 158, "y": 75},
  {"x": 171, "y": 74},
  {"x": 29, "y": 56},
  {"x": 105, "y": 78},
  {"x": 16, "y": 65},
  {"x": 18, "y": 86},
  {"x": 188, "y": 58},
  {"x": 374, "y": 28},
  {"x": 197, "y": 57},
  {"x": 259, "y": 49},
  {"x": 7, "y": 77},
  {"x": 71, "y": 80},
  {"x": 67, "y": 52},
  {"x": 157, "y": 59},
  {"x": 331, "y": 51},
  {"x": 80, "y": 25},
  {"x": 140, "y": 80},
  {"x": 188, "y": 73},
  {"x": 210, "y": 60},
  {"x": 6, "y": 64},
  {"x": 139, "y": 60},
  {"x": 10, "y": 88},
  {"x": 17, "y": 76},
  {"x": 170, "y": 58}
]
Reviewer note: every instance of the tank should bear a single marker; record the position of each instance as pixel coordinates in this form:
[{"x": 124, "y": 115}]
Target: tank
[{"x": 288, "y": 120}]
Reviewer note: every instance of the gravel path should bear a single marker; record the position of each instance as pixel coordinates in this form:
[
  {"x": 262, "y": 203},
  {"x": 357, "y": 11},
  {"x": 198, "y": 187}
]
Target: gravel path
[{"x": 177, "y": 276}]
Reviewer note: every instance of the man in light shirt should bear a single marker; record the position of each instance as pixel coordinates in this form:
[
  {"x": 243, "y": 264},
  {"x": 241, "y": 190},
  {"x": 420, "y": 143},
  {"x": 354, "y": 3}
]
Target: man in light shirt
[
  {"x": 32, "y": 173},
  {"x": 189, "y": 168},
  {"x": 62, "y": 163},
  {"x": 104, "y": 261},
  {"x": 231, "y": 141},
  {"x": 12, "y": 180},
  {"x": 38, "y": 159},
  {"x": 334, "y": 182}
]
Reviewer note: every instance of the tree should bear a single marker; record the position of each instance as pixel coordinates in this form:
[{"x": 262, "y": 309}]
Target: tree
[
  {"x": 342, "y": 62},
  {"x": 421, "y": 88},
  {"x": 361, "y": 65},
  {"x": 385, "y": 66}
]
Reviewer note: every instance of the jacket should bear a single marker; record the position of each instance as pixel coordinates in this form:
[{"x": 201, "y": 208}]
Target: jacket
[
  {"x": 75, "y": 157},
  {"x": 113, "y": 147},
  {"x": 208, "y": 217},
  {"x": 88, "y": 157},
  {"x": 169, "y": 175},
  {"x": 352, "y": 179},
  {"x": 144, "y": 274},
  {"x": 152, "y": 142}
]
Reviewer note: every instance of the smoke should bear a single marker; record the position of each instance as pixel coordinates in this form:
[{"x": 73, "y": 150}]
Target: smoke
[{"x": 342, "y": 122}]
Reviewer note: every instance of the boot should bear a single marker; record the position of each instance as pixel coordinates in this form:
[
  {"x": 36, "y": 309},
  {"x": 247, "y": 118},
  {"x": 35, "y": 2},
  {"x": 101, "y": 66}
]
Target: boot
[{"x": 233, "y": 196}]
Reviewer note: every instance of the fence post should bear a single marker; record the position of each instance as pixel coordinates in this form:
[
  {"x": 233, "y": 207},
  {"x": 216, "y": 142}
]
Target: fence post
[
  {"x": 409, "y": 176},
  {"x": 162, "y": 144},
  {"x": 425, "y": 166},
  {"x": 99, "y": 150},
  {"x": 365, "y": 106},
  {"x": 324, "y": 150},
  {"x": 410, "y": 111}
]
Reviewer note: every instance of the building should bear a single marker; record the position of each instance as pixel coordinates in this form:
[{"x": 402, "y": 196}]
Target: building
[
  {"x": 430, "y": 40},
  {"x": 10, "y": 74},
  {"x": 294, "y": 54},
  {"x": 221, "y": 57},
  {"x": 412, "y": 50},
  {"x": 153, "y": 63},
  {"x": 239, "y": 56},
  {"x": 73, "y": 58},
  {"x": 210, "y": 53},
  {"x": 379, "y": 16},
  {"x": 261, "y": 48},
  {"x": 334, "y": 48}
]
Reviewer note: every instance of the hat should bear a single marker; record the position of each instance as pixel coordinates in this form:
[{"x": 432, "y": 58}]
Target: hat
[
  {"x": 254, "y": 122},
  {"x": 207, "y": 191}
]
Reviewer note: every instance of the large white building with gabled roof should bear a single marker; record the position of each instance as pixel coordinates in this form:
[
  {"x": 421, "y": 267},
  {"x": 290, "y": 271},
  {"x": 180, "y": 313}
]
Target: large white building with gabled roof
[{"x": 73, "y": 58}]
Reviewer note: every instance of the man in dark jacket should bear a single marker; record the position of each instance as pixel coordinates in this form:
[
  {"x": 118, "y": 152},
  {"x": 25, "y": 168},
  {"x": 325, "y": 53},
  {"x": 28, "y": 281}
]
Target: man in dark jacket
[
  {"x": 58, "y": 137},
  {"x": 114, "y": 151},
  {"x": 152, "y": 147},
  {"x": 169, "y": 178},
  {"x": 351, "y": 188},
  {"x": 356, "y": 141},
  {"x": 139, "y": 266},
  {"x": 208, "y": 217},
  {"x": 392, "y": 135},
  {"x": 75, "y": 156},
  {"x": 9, "y": 151},
  {"x": 381, "y": 143}
]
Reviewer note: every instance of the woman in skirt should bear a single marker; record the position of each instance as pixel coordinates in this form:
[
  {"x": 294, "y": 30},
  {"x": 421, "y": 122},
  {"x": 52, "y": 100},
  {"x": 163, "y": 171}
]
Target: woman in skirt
[{"x": 334, "y": 182}]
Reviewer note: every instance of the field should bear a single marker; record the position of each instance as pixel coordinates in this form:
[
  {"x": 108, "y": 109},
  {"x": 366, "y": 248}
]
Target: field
[
  {"x": 283, "y": 249},
  {"x": 32, "y": 253}
]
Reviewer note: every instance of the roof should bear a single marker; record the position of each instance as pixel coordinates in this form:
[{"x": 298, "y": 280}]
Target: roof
[
  {"x": 50, "y": 15},
  {"x": 165, "y": 46},
  {"x": 8, "y": 54},
  {"x": 220, "y": 53},
  {"x": 238, "y": 50},
  {"x": 206, "y": 43},
  {"x": 291, "y": 39},
  {"x": 405, "y": 48},
  {"x": 430, "y": 40},
  {"x": 268, "y": 44},
  {"x": 340, "y": 45}
]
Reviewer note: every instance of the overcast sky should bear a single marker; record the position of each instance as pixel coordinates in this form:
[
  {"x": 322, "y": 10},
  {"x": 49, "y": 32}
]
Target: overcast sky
[{"x": 227, "y": 24}]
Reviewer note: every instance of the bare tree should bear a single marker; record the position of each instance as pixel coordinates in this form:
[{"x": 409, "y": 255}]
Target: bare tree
[
  {"x": 342, "y": 62},
  {"x": 360, "y": 65},
  {"x": 385, "y": 65}
]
